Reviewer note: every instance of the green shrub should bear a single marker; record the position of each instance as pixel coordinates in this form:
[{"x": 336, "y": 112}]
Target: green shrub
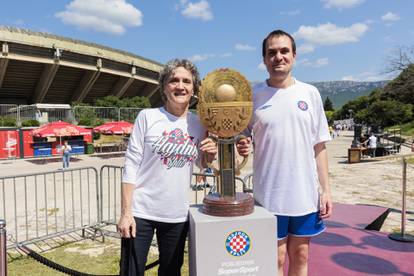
[
  {"x": 30, "y": 123},
  {"x": 8, "y": 122},
  {"x": 96, "y": 135},
  {"x": 90, "y": 149}
]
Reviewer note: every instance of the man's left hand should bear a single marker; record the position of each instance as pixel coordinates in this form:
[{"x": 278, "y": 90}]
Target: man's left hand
[{"x": 326, "y": 206}]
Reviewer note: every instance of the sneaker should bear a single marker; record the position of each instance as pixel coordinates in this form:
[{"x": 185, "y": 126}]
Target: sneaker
[{"x": 197, "y": 187}]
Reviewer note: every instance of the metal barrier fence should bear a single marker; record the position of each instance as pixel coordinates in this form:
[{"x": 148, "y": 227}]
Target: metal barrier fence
[
  {"x": 3, "y": 254},
  {"x": 110, "y": 190},
  {"x": 12, "y": 115},
  {"x": 93, "y": 116},
  {"x": 8, "y": 115},
  {"x": 248, "y": 183},
  {"x": 45, "y": 113},
  {"x": 128, "y": 114},
  {"x": 110, "y": 193},
  {"x": 43, "y": 205}
]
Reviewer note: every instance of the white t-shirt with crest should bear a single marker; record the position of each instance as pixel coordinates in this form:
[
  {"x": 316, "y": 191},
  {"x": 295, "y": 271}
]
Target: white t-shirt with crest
[{"x": 286, "y": 125}]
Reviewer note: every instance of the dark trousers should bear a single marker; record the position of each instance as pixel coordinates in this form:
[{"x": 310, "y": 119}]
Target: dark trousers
[{"x": 171, "y": 241}]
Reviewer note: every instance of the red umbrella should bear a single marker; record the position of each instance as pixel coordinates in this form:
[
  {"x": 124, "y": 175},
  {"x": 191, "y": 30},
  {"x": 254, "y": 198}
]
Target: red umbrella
[
  {"x": 59, "y": 129},
  {"x": 120, "y": 127}
]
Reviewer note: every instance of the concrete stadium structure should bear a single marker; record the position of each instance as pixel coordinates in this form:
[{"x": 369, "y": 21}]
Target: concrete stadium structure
[{"x": 43, "y": 68}]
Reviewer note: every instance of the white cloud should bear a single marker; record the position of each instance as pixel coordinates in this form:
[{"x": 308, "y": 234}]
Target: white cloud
[
  {"x": 305, "y": 48},
  {"x": 349, "y": 78},
  {"x": 201, "y": 57},
  {"x": 303, "y": 62},
  {"x": 321, "y": 62},
  {"x": 226, "y": 55},
  {"x": 200, "y": 10},
  {"x": 261, "y": 66},
  {"x": 244, "y": 47},
  {"x": 110, "y": 16},
  {"x": 18, "y": 22},
  {"x": 390, "y": 17},
  {"x": 369, "y": 75},
  {"x": 293, "y": 13},
  {"x": 330, "y": 34},
  {"x": 290, "y": 13},
  {"x": 341, "y": 4},
  {"x": 316, "y": 64}
]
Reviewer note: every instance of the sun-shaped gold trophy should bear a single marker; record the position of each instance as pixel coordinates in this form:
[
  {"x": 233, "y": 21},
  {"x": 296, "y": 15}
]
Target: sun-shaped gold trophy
[{"x": 225, "y": 107}]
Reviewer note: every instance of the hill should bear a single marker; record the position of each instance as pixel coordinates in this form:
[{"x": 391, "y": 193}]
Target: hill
[{"x": 340, "y": 92}]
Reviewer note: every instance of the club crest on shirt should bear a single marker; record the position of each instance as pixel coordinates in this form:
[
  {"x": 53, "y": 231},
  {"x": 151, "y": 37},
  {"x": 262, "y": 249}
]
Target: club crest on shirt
[
  {"x": 175, "y": 148},
  {"x": 303, "y": 105}
]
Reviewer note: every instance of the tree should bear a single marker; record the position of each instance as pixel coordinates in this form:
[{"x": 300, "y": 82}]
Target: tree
[
  {"x": 114, "y": 101},
  {"x": 327, "y": 105},
  {"x": 329, "y": 116},
  {"x": 109, "y": 101},
  {"x": 402, "y": 87},
  {"x": 137, "y": 101},
  {"x": 354, "y": 105},
  {"x": 400, "y": 59},
  {"x": 385, "y": 113}
]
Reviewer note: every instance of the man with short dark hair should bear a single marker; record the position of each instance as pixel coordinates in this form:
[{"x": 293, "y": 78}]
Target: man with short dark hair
[{"x": 289, "y": 129}]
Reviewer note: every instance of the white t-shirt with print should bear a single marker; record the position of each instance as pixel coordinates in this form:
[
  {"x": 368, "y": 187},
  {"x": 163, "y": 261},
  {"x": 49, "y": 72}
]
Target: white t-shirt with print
[
  {"x": 372, "y": 142},
  {"x": 159, "y": 162},
  {"x": 286, "y": 125}
]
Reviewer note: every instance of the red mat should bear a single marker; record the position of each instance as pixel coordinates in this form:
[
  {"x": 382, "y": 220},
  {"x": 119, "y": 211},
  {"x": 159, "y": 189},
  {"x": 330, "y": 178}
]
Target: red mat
[{"x": 345, "y": 248}]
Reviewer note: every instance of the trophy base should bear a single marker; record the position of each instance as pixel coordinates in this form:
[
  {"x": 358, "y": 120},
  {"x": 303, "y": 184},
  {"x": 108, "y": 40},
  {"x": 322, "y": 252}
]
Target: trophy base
[{"x": 240, "y": 205}]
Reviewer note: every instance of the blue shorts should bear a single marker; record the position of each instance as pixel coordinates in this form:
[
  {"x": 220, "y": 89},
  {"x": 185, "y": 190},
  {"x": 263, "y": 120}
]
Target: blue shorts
[{"x": 303, "y": 226}]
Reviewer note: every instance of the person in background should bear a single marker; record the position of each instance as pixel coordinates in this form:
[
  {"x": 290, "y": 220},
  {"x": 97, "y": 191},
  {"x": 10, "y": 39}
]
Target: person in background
[
  {"x": 201, "y": 180},
  {"x": 66, "y": 149},
  {"x": 372, "y": 144}
]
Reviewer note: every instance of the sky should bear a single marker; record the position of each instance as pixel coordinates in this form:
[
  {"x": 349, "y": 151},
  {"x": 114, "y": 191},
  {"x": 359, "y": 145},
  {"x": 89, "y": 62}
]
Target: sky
[{"x": 336, "y": 39}]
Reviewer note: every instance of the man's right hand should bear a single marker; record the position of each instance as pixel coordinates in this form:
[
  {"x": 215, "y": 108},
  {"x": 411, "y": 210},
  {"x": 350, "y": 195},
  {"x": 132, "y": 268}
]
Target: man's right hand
[
  {"x": 126, "y": 226},
  {"x": 243, "y": 146}
]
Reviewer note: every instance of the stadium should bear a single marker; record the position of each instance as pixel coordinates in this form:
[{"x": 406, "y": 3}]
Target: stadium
[{"x": 42, "y": 68}]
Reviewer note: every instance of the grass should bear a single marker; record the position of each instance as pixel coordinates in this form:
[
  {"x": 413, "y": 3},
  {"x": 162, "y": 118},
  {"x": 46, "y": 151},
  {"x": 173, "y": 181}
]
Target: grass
[
  {"x": 408, "y": 193},
  {"x": 73, "y": 256},
  {"x": 86, "y": 256},
  {"x": 106, "y": 139},
  {"x": 406, "y": 129},
  {"x": 50, "y": 211}
]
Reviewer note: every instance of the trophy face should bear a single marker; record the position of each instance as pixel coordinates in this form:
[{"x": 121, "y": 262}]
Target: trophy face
[
  {"x": 225, "y": 107},
  {"x": 225, "y": 102}
]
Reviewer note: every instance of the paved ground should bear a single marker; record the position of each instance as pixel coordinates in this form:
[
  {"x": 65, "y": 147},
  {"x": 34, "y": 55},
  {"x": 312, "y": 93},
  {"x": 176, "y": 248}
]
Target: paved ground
[{"x": 375, "y": 181}]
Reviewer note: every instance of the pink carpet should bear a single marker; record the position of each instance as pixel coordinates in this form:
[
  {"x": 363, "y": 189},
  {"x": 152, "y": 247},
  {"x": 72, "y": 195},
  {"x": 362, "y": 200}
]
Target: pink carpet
[{"x": 346, "y": 248}]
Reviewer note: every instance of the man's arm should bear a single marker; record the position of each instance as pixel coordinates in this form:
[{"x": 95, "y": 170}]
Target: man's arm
[
  {"x": 321, "y": 157},
  {"x": 126, "y": 224}
]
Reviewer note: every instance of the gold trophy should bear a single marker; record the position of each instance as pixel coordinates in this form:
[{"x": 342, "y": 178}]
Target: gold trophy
[{"x": 225, "y": 107}]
